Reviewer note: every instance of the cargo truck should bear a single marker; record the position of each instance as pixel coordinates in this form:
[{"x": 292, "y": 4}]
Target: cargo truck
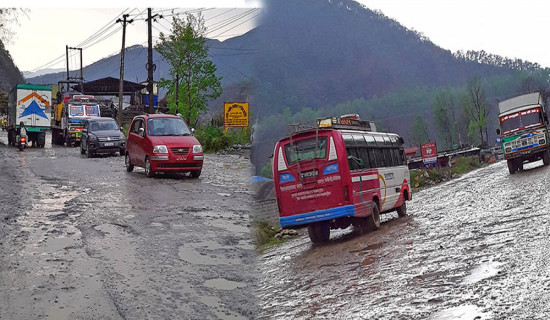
[
  {"x": 524, "y": 130},
  {"x": 31, "y": 105},
  {"x": 69, "y": 115}
]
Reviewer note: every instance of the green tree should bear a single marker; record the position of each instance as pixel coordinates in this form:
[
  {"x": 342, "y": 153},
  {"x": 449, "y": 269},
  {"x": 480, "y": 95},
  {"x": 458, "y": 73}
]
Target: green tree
[
  {"x": 419, "y": 132},
  {"x": 476, "y": 109},
  {"x": 444, "y": 115},
  {"x": 194, "y": 80},
  {"x": 9, "y": 17},
  {"x": 3, "y": 103}
]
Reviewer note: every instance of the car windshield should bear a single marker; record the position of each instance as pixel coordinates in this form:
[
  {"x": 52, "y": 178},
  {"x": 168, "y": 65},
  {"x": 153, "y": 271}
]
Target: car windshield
[
  {"x": 76, "y": 110},
  {"x": 92, "y": 110},
  {"x": 103, "y": 125},
  {"x": 167, "y": 127}
]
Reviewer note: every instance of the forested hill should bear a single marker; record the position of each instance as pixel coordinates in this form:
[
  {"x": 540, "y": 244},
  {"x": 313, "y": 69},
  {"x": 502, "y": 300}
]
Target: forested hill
[
  {"x": 321, "y": 58},
  {"x": 9, "y": 73},
  {"x": 318, "y": 52}
]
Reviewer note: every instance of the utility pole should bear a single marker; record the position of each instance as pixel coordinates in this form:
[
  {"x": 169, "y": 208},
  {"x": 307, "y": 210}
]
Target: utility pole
[
  {"x": 74, "y": 79},
  {"x": 121, "y": 83},
  {"x": 150, "y": 66}
]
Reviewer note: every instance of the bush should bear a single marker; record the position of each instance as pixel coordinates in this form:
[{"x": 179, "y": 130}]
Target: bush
[
  {"x": 267, "y": 172},
  {"x": 215, "y": 139}
]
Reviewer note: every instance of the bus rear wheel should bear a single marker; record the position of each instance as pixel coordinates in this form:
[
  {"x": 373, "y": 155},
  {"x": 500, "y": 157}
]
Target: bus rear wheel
[
  {"x": 546, "y": 157},
  {"x": 373, "y": 221},
  {"x": 319, "y": 232},
  {"x": 402, "y": 211}
]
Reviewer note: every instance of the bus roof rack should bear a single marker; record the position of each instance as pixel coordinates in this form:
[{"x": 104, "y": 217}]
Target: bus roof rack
[
  {"x": 347, "y": 121},
  {"x": 350, "y": 122}
]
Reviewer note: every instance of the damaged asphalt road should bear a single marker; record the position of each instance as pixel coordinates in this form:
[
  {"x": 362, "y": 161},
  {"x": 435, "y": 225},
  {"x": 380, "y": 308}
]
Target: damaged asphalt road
[
  {"x": 477, "y": 247},
  {"x": 84, "y": 239}
]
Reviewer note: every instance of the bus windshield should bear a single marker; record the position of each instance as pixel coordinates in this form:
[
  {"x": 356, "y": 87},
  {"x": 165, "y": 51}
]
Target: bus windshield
[
  {"x": 520, "y": 120},
  {"x": 305, "y": 150}
]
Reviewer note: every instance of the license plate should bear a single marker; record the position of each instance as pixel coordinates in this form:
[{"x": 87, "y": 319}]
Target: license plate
[
  {"x": 109, "y": 144},
  {"x": 310, "y": 174}
]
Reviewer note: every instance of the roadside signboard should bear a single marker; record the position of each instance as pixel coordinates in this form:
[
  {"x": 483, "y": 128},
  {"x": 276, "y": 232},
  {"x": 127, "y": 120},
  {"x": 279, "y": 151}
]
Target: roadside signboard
[
  {"x": 429, "y": 153},
  {"x": 235, "y": 114}
]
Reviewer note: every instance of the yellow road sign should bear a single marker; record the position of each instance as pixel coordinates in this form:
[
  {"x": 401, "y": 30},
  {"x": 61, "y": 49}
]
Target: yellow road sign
[{"x": 236, "y": 114}]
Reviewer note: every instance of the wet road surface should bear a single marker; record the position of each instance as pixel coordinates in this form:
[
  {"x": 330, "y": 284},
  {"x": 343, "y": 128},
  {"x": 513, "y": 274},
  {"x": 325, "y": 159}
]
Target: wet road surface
[
  {"x": 477, "y": 247},
  {"x": 84, "y": 239}
]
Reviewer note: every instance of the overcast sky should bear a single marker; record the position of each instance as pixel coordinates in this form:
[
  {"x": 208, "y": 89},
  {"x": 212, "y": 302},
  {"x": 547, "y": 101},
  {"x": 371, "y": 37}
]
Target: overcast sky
[
  {"x": 43, "y": 33},
  {"x": 514, "y": 29}
]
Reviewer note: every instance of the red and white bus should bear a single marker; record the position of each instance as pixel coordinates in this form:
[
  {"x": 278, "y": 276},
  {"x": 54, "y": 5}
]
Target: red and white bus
[{"x": 338, "y": 174}]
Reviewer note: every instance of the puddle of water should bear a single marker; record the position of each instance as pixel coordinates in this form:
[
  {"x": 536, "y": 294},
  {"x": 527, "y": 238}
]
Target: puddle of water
[
  {"x": 219, "y": 309},
  {"x": 466, "y": 312},
  {"x": 223, "y": 284},
  {"x": 483, "y": 271},
  {"x": 192, "y": 256}
]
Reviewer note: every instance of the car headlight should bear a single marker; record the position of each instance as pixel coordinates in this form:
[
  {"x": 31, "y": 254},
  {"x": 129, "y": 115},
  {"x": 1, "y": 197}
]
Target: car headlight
[
  {"x": 122, "y": 136},
  {"x": 160, "y": 149},
  {"x": 93, "y": 137},
  {"x": 197, "y": 148}
]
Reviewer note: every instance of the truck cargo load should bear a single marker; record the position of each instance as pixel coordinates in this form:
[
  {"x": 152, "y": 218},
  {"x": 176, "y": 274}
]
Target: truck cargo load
[{"x": 30, "y": 105}]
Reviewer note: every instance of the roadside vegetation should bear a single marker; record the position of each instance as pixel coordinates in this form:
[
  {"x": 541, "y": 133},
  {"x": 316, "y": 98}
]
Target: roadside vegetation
[
  {"x": 264, "y": 235},
  {"x": 214, "y": 139},
  {"x": 421, "y": 179}
]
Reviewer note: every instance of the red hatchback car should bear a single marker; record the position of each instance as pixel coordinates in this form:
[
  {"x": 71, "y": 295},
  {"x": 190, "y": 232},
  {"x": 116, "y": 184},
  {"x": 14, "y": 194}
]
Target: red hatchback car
[{"x": 162, "y": 143}]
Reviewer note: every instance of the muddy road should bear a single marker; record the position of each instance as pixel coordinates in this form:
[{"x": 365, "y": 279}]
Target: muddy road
[
  {"x": 477, "y": 247},
  {"x": 84, "y": 239}
]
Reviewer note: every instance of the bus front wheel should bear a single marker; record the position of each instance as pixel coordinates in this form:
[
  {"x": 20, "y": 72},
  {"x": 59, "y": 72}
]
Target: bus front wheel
[{"x": 319, "y": 232}]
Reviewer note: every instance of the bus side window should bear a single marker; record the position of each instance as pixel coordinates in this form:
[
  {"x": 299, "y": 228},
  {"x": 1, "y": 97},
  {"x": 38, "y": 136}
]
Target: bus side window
[
  {"x": 388, "y": 158},
  {"x": 379, "y": 157},
  {"x": 395, "y": 157},
  {"x": 354, "y": 161},
  {"x": 372, "y": 159},
  {"x": 365, "y": 157}
]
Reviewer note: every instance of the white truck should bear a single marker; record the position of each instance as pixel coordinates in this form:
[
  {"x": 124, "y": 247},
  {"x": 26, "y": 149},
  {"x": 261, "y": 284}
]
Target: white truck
[
  {"x": 524, "y": 130},
  {"x": 30, "y": 105}
]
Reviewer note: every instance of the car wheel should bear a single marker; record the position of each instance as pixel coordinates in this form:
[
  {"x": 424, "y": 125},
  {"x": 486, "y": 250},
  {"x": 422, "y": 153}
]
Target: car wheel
[
  {"x": 128, "y": 163},
  {"x": 89, "y": 153},
  {"x": 122, "y": 152},
  {"x": 196, "y": 173},
  {"x": 148, "y": 171},
  {"x": 373, "y": 221}
]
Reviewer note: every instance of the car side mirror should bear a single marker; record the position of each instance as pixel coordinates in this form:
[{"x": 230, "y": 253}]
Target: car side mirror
[
  {"x": 141, "y": 132},
  {"x": 121, "y": 129},
  {"x": 498, "y": 131},
  {"x": 192, "y": 131}
]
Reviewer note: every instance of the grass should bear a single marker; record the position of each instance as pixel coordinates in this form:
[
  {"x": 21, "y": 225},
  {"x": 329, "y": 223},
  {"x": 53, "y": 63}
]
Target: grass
[{"x": 264, "y": 235}]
